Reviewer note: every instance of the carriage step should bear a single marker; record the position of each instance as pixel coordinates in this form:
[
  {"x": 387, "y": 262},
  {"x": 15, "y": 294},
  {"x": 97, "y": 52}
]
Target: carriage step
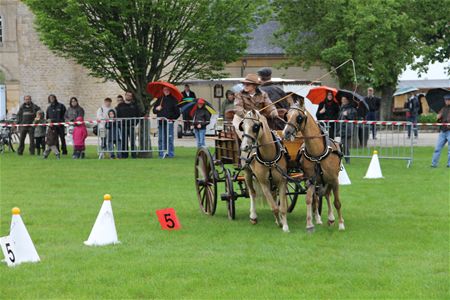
[{"x": 296, "y": 175}]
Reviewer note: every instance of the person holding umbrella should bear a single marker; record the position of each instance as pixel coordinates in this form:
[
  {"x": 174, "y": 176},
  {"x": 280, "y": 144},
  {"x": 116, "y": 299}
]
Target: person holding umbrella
[
  {"x": 328, "y": 110},
  {"x": 166, "y": 108},
  {"x": 200, "y": 121},
  {"x": 444, "y": 134}
]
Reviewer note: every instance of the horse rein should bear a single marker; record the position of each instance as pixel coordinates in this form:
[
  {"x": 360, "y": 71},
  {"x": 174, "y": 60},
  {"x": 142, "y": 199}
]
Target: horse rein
[{"x": 297, "y": 128}]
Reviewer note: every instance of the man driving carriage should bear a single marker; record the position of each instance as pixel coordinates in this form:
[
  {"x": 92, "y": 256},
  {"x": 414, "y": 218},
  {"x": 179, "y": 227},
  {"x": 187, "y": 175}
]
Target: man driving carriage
[{"x": 251, "y": 97}]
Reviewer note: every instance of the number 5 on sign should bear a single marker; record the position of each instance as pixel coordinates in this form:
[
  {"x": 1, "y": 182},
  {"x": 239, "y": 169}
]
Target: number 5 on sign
[
  {"x": 168, "y": 219},
  {"x": 8, "y": 251}
]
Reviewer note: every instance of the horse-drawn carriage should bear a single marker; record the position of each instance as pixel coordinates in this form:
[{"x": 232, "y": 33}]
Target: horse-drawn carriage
[{"x": 291, "y": 170}]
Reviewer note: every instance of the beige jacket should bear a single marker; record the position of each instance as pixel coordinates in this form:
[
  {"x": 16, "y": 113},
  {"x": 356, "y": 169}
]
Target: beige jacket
[{"x": 243, "y": 102}]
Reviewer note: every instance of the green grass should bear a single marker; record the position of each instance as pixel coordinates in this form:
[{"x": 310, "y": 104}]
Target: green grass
[{"x": 396, "y": 243}]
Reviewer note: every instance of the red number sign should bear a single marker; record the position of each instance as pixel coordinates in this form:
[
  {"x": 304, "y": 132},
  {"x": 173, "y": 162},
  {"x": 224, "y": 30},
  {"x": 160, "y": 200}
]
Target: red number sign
[{"x": 168, "y": 219}]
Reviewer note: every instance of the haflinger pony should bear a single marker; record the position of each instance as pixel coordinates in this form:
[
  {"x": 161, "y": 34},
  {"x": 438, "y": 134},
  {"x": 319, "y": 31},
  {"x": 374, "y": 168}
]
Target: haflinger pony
[
  {"x": 320, "y": 159},
  {"x": 264, "y": 157}
]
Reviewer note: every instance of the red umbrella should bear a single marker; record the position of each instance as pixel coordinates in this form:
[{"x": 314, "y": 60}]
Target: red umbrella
[
  {"x": 156, "y": 89},
  {"x": 318, "y": 94}
]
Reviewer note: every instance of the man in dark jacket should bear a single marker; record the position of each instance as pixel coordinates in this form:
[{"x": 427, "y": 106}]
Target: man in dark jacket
[
  {"x": 347, "y": 112},
  {"x": 128, "y": 109},
  {"x": 26, "y": 115},
  {"x": 413, "y": 106},
  {"x": 362, "y": 109},
  {"x": 187, "y": 93},
  {"x": 55, "y": 113},
  {"x": 374, "y": 110},
  {"x": 275, "y": 93},
  {"x": 167, "y": 109}
]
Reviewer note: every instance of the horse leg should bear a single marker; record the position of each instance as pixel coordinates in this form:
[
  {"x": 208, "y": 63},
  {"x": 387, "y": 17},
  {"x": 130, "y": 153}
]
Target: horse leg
[
  {"x": 252, "y": 194},
  {"x": 330, "y": 208},
  {"x": 315, "y": 207},
  {"x": 283, "y": 205},
  {"x": 309, "y": 198},
  {"x": 337, "y": 204},
  {"x": 265, "y": 186}
]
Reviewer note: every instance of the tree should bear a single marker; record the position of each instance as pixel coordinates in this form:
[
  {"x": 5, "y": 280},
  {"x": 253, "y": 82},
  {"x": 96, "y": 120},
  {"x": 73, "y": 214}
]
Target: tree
[
  {"x": 380, "y": 36},
  {"x": 134, "y": 42},
  {"x": 432, "y": 31}
]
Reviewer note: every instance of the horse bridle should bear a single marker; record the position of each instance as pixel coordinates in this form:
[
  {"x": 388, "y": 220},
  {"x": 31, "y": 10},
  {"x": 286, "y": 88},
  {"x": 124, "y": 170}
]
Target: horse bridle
[
  {"x": 299, "y": 120},
  {"x": 256, "y": 127}
]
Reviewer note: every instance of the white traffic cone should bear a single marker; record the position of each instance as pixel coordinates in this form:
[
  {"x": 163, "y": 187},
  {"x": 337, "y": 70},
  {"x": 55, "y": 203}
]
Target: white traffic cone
[
  {"x": 104, "y": 230},
  {"x": 23, "y": 245},
  {"x": 374, "y": 170},
  {"x": 343, "y": 177}
]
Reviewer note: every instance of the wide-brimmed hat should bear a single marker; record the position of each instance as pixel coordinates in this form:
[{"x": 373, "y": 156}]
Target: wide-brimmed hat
[{"x": 251, "y": 78}]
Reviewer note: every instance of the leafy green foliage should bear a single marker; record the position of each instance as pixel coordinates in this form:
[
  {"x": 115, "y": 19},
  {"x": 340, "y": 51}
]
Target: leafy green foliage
[
  {"x": 134, "y": 42},
  {"x": 382, "y": 36},
  {"x": 428, "y": 118}
]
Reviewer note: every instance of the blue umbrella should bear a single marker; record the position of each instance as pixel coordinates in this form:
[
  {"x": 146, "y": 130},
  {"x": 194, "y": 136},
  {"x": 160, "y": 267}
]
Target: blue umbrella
[{"x": 405, "y": 90}]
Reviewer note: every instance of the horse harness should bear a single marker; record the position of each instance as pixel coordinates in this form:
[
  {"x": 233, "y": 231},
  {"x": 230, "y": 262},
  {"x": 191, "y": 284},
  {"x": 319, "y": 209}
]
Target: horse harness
[
  {"x": 280, "y": 151},
  {"x": 315, "y": 159}
]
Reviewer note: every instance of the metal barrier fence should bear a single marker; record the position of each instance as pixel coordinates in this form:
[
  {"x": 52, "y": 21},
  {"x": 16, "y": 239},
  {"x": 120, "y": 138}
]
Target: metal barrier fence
[
  {"x": 360, "y": 138},
  {"x": 120, "y": 136}
]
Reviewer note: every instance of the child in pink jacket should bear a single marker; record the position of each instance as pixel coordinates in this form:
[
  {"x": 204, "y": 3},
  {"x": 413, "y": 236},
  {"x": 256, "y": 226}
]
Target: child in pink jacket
[{"x": 79, "y": 137}]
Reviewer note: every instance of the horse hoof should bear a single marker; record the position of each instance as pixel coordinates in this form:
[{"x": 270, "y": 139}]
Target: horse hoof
[
  {"x": 254, "y": 221},
  {"x": 310, "y": 229},
  {"x": 330, "y": 222},
  {"x": 341, "y": 226},
  {"x": 319, "y": 222},
  {"x": 286, "y": 228}
]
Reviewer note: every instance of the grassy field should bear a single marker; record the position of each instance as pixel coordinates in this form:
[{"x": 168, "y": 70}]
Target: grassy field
[{"x": 396, "y": 243}]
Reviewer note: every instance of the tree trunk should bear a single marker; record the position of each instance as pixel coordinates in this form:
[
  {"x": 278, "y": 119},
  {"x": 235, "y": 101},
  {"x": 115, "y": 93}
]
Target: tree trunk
[
  {"x": 386, "y": 102},
  {"x": 145, "y": 142}
]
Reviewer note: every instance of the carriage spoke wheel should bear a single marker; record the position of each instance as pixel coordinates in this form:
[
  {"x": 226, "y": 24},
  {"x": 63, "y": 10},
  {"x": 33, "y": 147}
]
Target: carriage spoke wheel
[
  {"x": 293, "y": 189},
  {"x": 205, "y": 181},
  {"x": 231, "y": 195}
]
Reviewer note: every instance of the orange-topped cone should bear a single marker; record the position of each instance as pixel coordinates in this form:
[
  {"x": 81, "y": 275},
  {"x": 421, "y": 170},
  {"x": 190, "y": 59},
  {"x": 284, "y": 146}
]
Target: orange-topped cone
[
  {"x": 19, "y": 236},
  {"x": 104, "y": 230}
]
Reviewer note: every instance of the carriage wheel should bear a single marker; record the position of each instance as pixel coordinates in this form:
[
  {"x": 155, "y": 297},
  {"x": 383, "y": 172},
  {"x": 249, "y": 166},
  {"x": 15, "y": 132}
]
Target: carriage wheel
[
  {"x": 180, "y": 131},
  {"x": 205, "y": 181},
  {"x": 293, "y": 189},
  {"x": 231, "y": 195}
]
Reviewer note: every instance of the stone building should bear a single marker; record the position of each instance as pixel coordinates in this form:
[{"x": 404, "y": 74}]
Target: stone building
[{"x": 30, "y": 68}]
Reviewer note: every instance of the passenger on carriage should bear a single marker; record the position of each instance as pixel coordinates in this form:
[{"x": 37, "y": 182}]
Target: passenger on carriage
[
  {"x": 252, "y": 97},
  {"x": 227, "y": 110},
  {"x": 275, "y": 93}
]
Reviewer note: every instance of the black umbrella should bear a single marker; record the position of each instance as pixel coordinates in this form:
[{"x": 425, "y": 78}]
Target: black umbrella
[
  {"x": 351, "y": 96},
  {"x": 435, "y": 98}
]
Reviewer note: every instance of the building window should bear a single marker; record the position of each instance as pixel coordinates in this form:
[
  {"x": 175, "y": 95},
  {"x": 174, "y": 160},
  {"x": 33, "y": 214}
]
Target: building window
[{"x": 1, "y": 30}]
